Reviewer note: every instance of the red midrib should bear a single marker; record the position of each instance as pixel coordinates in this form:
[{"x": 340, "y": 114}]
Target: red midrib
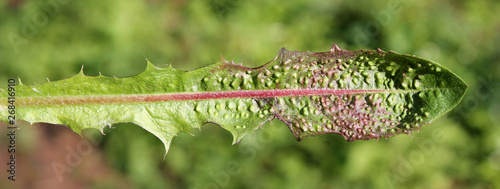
[{"x": 80, "y": 100}]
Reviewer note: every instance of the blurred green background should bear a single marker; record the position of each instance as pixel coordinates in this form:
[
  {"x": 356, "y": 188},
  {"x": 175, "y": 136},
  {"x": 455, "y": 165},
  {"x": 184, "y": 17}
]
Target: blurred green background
[{"x": 54, "y": 38}]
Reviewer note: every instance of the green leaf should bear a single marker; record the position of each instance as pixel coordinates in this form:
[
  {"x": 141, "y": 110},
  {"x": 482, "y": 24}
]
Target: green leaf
[{"x": 358, "y": 94}]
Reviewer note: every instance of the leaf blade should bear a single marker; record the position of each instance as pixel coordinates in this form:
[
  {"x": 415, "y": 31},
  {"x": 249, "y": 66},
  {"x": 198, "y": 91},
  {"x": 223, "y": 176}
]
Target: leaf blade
[{"x": 357, "y": 94}]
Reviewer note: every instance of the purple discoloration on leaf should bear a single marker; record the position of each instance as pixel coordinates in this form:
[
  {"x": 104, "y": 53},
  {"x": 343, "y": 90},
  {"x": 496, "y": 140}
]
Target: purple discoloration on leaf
[{"x": 409, "y": 92}]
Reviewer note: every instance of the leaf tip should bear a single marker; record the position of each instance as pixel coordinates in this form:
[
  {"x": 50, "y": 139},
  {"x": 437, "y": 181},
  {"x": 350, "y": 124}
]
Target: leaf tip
[
  {"x": 151, "y": 66},
  {"x": 335, "y": 48},
  {"x": 237, "y": 137},
  {"x": 223, "y": 60},
  {"x": 380, "y": 51},
  {"x": 283, "y": 53},
  {"x": 20, "y": 82},
  {"x": 81, "y": 71}
]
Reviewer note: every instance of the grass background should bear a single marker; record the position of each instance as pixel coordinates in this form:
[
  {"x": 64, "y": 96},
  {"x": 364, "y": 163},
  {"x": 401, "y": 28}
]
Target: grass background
[{"x": 54, "y": 38}]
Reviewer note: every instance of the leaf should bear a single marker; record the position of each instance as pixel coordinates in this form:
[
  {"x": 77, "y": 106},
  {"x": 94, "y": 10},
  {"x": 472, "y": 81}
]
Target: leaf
[{"x": 358, "y": 94}]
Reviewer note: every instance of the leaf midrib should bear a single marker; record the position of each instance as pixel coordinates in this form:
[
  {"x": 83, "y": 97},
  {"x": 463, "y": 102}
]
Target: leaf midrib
[{"x": 151, "y": 98}]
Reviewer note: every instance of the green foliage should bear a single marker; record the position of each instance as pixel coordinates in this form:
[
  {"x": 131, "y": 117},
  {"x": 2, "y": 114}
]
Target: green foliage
[
  {"x": 113, "y": 37},
  {"x": 359, "y": 95}
]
